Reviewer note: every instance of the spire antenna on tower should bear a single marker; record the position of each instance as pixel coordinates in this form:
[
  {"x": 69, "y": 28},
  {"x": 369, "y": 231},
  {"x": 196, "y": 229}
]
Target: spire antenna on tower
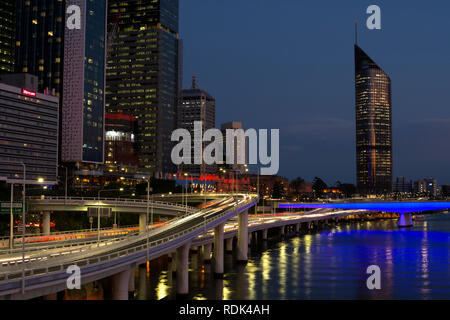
[{"x": 194, "y": 82}]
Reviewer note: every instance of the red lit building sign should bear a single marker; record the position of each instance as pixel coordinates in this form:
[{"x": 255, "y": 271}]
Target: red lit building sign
[{"x": 28, "y": 93}]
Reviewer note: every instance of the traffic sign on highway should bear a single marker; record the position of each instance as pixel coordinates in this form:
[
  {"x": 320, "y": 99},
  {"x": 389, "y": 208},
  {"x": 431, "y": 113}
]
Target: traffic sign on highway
[
  {"x": 5, "y": 207},
  {"x": 94, "y": 212}
]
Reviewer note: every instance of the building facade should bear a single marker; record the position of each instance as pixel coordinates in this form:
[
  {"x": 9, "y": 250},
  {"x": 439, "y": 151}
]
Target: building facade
[
  {"x": 84, "y": 86},
  {"x": 426, "y": 187},
  {"x": 28, "y": 134},
  {"x": 402, "y": 185},
  {"x": 143, "y": 75},
  {"x": 7, "y": 35},
  {"x": 120, "y": 149},
  {"x": 197, "y": 105},
  {"x": 239, "y": 149},
  {"x": 39, "y": 36},
  {"x": 373, "y": 126}
]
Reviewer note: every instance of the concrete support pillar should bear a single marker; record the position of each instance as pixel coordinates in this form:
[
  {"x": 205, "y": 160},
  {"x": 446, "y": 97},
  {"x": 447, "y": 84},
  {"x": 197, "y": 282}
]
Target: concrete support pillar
[
  {"x": 218, "y": 251},
  {"x": 242, "y": 243},
  {"x": 174, "y": 264},
  {"x": 194, "y": 250},
  {"x": 142, "y": 222},
  {"x": 250, "y": 236},
  {"x": 183, "y": 269},
  {"x": 297, "y": 227},
  {"x": 142, "y": 282},
  {"x": 405, "y": 220},
  {"x": 282, "y": 230},
  {"x": 131, "y": 284},
  {"x": 229, "y": 245},
  {"x": 46, "y": 223},
  {"x": 119, "y": 285},
  {"x": 264, "y": 233},
  {"x": 207, "y": 253}
]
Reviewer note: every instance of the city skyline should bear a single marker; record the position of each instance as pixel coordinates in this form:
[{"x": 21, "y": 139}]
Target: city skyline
[
  {"x": 118, "y": 182},
  {"x": 316, "y": 126}
]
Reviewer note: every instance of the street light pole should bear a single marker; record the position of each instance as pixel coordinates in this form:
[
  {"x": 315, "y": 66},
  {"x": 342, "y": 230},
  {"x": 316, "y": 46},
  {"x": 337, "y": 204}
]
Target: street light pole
[
  {"x": 148, "y": 201},
  {"x": 11, "y": 220},
  {"x": 185, "y": 187},
  {"x": 23, "y": 218},
  {"x": 98, "y": 211},
  {"x": 23, "y": 229},
  {"x": 65, "y": 187},
  {"x": 146, "y": 223},
  {"x": 257, "y": 191}
]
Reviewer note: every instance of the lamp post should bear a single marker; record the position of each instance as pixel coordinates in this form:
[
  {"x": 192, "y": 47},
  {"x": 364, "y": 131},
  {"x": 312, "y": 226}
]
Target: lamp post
[
  {"x": 23, "y": 218},
  {"x": 65, "y": 185},
  {"x": 185, "y": 187},
  {"x": 148, "y": 213},
  {"x": 98, "y": 211},
  {"x": 23, "y": 229},
  {"x": 257, "y": 192},
  {"x": 11, "y": 220}
]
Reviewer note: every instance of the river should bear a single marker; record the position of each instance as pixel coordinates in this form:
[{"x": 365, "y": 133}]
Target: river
[{"x": 327, "y": 264}]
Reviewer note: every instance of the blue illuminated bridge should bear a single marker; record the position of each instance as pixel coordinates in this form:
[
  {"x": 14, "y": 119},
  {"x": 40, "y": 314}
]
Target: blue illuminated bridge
[{"x": 405, "y": 209}]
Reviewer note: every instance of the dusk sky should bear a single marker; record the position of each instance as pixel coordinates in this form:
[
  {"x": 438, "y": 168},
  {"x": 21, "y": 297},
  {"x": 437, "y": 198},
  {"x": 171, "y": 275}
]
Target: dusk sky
[{"x": 289, "y": 65}]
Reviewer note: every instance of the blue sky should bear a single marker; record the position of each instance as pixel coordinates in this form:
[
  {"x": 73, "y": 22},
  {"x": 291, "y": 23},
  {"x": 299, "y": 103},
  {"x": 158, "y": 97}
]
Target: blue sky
[{"x": 288, "y": 64}]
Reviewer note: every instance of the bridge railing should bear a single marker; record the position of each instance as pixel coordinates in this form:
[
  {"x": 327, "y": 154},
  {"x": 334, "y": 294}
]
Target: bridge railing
[
  {"x": 41, "y": 270},
  {"x": 4, "y": 241},
  {"x": 114, "y": 200},
  {"x": 133, "y": 230},
  {"x": 79, "y": 247}
]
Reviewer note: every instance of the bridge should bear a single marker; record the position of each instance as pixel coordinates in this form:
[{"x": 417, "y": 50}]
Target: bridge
[
  {"x": 42, "y": 271},
  {"x": 406, "y": 209}
]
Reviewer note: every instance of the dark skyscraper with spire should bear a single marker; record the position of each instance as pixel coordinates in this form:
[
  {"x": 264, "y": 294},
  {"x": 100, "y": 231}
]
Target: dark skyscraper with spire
[{"x": 373, "y": 126}]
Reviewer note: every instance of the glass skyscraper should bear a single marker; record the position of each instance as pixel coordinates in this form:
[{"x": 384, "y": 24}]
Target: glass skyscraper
[
  {"x": 143, "y": 74},
  {"x": 7, "y": 35},
  {"x": 39, "y": 41},
  {"x": 373, "y": 126},
  {"x": 84, "y": 82},
  {"x": 197, "y": 105}
]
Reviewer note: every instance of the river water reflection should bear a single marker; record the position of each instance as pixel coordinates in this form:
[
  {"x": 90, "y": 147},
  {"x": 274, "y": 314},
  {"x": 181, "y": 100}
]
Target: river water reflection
[{"x": 327, "y": 264}]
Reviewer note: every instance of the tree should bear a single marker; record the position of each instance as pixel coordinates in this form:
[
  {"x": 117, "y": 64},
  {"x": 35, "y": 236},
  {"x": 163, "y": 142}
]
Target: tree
[
  {"x": 278, "y": 190},
  {"x": 348, "y": 189},
  {"x": 158, "y": 186},
  {"x": 318, "y": 186},
  {"x": 297, "y": 183}
]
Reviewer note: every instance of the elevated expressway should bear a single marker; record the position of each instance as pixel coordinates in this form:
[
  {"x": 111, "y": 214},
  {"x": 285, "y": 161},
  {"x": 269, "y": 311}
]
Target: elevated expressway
[
  {"x": 44, "y": 271},
  {"x": 55, "y": 204}
]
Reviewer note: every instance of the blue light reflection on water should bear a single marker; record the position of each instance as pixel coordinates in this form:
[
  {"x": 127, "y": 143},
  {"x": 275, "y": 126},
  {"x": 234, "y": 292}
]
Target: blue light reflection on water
[{"x": 331, "y": 264}]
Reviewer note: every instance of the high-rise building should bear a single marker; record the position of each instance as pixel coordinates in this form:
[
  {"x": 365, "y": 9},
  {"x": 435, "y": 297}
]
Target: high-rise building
[
  {"x": 402, "y": 185},
  {"x": 143, "y": 74},
  {"x": 7, "y": 35},
  {"x": 28, "y": 133},
  {"x": 120, "y": 147},
  {"x": 373, "y": 126},
  {"x": 239, "y": 149},
  {"x": 84, "y": 86},
  {"x": 39, "y": 42},
  {"x": 197, "y": 105},
  {"x": 426, "y": 186}
]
